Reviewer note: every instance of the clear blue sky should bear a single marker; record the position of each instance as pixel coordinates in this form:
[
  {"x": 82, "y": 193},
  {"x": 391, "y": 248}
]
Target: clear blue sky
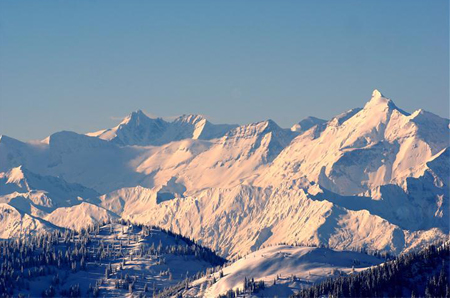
[{"x": 78, "y": 65}]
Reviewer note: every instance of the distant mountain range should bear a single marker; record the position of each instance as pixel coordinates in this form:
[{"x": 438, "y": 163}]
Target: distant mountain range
[{"x": 373, "y": 178}]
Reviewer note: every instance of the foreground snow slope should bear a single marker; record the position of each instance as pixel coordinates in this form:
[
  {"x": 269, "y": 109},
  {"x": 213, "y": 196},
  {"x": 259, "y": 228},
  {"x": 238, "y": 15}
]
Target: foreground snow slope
[
  {"x": 290, "y": 267},
  {"x": 374, "y": 177}
]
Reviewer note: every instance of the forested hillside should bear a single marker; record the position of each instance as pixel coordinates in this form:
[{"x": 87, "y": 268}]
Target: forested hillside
[
  {"x": 114, "y": 259},
  {"x": 421, "y": 274}
]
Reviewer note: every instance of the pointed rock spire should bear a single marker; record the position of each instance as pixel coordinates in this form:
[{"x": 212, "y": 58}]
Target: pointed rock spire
[
  {"x": 378, "y": 99},
  {"x": 377, "y": 94}
]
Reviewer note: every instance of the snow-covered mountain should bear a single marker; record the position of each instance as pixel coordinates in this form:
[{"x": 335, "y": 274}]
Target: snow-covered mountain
[
  {"x": 57, "y": 192},
  {"x": 15, "y": 223},
  {"x": 220, "y": 162},
  {"x": 307, "y": 123},
  {"x": 139, "y": 129},
  {"x": 378, "y": 145},
  {"x": 283, "y": 269},
  {"x": 80, "y": 216},
  {"x": 374, "y": 177}
]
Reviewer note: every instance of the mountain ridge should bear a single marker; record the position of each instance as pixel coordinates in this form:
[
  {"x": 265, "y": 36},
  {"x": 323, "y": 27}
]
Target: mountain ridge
[
  {"x": 139, "y": 129},
  {"x": 371, "y": 177}
]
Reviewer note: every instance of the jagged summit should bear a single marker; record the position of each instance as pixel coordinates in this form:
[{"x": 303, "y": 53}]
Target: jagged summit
[
  {"x": 378, "y": 99},
  {"x": 256, "y": 128},
  {"x": 381, "y": 102},
  {"x": 377, "y": 93},
  {"x": 140, "y": 129},
  {"x": 190, "y": 118},
  {"x": 138, "y": 117},
  {"x": 132, "y": 116},
  {"x": 138, "y": 112}
]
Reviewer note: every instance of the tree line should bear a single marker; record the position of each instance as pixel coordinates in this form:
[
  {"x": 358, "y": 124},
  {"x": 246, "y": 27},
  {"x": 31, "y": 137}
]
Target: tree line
[{"x": 416, "y": 274}]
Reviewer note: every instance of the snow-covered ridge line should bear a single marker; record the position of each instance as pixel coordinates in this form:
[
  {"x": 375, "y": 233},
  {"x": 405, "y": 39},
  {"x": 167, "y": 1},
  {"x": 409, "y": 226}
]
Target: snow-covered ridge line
[
  {"x": 374, "y": 177},
  {"x": 139, "y": 129}
]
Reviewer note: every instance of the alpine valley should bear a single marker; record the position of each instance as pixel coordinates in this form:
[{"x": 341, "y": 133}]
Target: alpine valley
[{"x": 325, "y": 197}]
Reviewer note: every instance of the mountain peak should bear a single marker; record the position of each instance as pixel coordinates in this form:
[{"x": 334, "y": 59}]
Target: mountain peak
[
  {"x": 307, "y": 123},
  {"x": 378, "y": 100},
  {"x": 377, "y": 94},
  {"x": 381, "y": 102},
  {"x": 138, "y": 113},
  {"x": 269, "y": 125},
  {"x": 5, "y": 139},
  {"x": 189, "y": 118},
  {"x": 134, "y": 116},
  {"x": 15, "y": 175}
]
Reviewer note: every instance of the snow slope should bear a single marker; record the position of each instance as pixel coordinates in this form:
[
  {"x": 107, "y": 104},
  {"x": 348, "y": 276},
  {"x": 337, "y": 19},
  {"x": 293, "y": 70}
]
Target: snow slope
[
  {"x": 80, "y": 216},
  {"x": 89, "y": 161},
  {"x": 280, "y": 263}
]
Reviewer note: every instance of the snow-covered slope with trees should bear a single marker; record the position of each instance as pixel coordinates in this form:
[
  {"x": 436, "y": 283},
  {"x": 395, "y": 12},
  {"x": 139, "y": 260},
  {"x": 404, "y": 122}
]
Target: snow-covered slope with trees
[
  {"x": 374, "y": 177},
  {"x": 112, "y": 260},
  {"x": 283, "y": 269}
]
